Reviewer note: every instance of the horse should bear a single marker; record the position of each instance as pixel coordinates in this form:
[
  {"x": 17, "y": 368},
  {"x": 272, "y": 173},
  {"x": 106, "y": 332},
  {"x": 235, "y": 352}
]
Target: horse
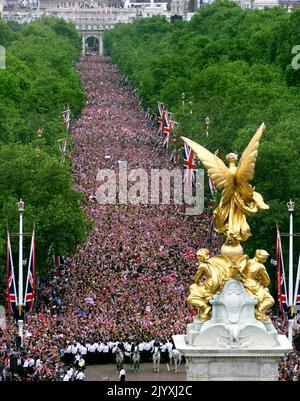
[
  {"x": 156, "y": 359},
  {"x": 175, "y": 357},
  {"x": 135, "y": 359},
  {"x": 119, "y": 358}
]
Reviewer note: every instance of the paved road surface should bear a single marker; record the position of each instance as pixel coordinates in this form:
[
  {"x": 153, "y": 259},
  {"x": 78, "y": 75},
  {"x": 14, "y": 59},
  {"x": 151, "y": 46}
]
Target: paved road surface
[{"x": 108, "y": 372}]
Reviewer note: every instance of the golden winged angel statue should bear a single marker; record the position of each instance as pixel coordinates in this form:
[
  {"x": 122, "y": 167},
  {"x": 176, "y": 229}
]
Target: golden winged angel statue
[{"x": 239, "y": 199}]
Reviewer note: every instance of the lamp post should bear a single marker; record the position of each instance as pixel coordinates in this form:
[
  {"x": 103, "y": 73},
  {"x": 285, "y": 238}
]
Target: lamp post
[
  {"x": 183, "y": 98},
  {"x": 191, "y": 107},
  {"x": 20, "y": 303},
  {"x": 40, "y": 133},
  {"x": 290, "y": 206},
  {"x": 207, "y": 122}
]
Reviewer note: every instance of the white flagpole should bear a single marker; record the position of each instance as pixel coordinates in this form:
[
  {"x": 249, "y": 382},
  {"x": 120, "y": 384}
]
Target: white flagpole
[
  {"x": 290, "y": 206},
  {"x": 20, "y": 321},
  {"x": 29, "y": 263},
  {"x": 297, "y": 281},
  {"x": 12, "y": 265}
]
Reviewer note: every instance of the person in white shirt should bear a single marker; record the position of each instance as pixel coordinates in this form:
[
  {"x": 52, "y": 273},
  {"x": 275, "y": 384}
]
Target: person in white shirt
[
  {"x": 26, "y": 366},
  {"x": 83, "y": 350},
  {"x": 76, "y": 359},
  {"x": 66, "y": 378},
  {"x": 94, "y": 347},
  {"x": 68, "y": 355},
  {"x": 31, "y": 364},
  {"x": 148, "y": 346},
  {"x": 127, "y": 347},
  {"x": 100, "y": 347},
  {"x": 69, "y": 349},
  {"x": 38, "y": 363},
  {"x": 79, "y": 376},
  {"x": 70, "y": 373},
  {"x": 74, "y": 349},
  {"x": 169, "y": 346},
  {"x": 26, "y": 363},
  {"x": 122, "y": 375},
  {"x": 105, "y": 348},
  {"x": 105, "y": 353},
  {"x": 141, "y": 346}
]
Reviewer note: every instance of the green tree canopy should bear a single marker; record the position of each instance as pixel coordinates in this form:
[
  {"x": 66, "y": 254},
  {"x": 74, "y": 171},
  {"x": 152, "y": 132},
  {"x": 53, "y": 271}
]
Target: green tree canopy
[{"x": 234, "y": 65}]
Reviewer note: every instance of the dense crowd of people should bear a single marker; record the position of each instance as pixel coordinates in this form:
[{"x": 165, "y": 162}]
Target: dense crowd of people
[{"x": 128, "y": 283}]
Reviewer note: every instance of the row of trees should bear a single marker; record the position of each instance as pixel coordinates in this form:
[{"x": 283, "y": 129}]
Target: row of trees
[
  {"x": 234, "y": 66},
  {"x": 39, "y": 79}
]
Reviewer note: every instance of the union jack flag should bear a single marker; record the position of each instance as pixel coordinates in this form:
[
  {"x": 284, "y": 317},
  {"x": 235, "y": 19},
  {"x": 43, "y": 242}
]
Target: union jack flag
[
  {"x": 189, "y": 165},
  {"x": 189, "y": 255},
  {"x": 168, "y": 130},
  {"x": 30, "y": 282},
  {"x": 212, "y": 187},
  {"x": 11, "y": 282},
  {"x": 160, "y": 118},
  {"x": 281, "y": 283}
]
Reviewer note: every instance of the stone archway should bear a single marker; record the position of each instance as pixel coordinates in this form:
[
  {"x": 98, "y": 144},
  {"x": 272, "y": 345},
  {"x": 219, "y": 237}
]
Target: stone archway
[
  {"x": 92, "y": 45},
  {"x": 92, "y": 34}
]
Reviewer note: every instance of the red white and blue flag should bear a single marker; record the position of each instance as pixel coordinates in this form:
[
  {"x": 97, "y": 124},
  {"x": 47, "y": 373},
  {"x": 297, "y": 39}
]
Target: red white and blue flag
[
  {"x": 281, "y": 283},
  {"x": 168, "y": 130},
  {"x": 189, "y": 255},
  {"x": 11, "y": 282},
  {"x": 58, "y": 260},
  {"x": 30, "y": 282},
  {"x": 160, "y": 118},
  {"x": 189, "y": 165}
]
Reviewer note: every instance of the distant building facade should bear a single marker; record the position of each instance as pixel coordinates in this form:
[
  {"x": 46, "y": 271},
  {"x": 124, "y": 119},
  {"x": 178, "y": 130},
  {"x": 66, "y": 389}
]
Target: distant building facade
[
  {"x": 246, "y": 4},
  {"x": 289, "y": 4}
]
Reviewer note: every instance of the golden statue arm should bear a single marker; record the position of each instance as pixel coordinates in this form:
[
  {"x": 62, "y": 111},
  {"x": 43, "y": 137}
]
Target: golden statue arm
[
  {"x": 202, "y": 271},
  {"x": 264, "y": 277}
]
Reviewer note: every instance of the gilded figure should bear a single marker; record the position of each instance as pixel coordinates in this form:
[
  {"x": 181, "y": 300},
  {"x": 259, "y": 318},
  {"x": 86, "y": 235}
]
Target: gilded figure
[
  {"x": 239, "y": 199},
  {"x": 256, "y": 281}
]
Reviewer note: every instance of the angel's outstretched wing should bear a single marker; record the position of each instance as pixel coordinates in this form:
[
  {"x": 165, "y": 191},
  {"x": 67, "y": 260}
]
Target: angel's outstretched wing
[
  {"x": 216, "y": 169},
  {"x": 245, "y": 169}
]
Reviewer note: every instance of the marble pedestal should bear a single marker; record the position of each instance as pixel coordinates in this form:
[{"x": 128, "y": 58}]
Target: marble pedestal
[{"x": 232, "y": 345}]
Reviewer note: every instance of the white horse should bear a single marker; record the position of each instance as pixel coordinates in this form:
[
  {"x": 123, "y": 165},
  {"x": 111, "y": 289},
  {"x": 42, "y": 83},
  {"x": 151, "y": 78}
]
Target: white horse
[
  {"x": 119, "y": 358},
  {"x": 156, "y": 359},
  {"x": 175, "y": 357},
  {"x": 135, "y": 359}
]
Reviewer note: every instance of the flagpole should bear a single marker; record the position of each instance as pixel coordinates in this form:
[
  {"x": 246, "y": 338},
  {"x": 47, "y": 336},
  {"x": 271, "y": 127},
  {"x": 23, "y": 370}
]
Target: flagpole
[
  {"x": 297, "y": 282},
  {"x": 20, "y": 321},
  {"x": 290, "y": 206}
]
